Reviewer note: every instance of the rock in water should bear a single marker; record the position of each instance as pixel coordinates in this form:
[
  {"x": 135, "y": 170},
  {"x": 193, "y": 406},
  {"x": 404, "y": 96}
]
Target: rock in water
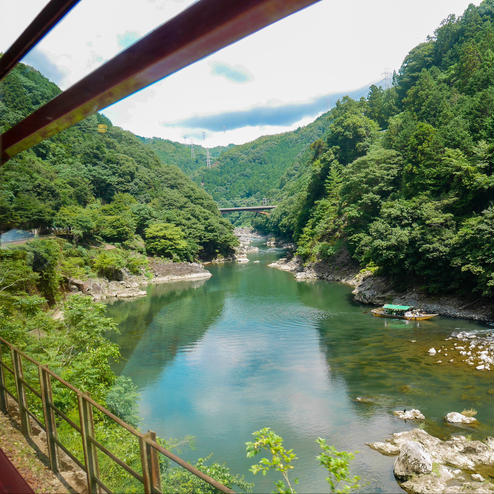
[
  {"x": 413, "y": 459},
  {"x": 413, "y": 414},
  {"x": 459, "y": 463},
  {"x": 459, "y": 418}
]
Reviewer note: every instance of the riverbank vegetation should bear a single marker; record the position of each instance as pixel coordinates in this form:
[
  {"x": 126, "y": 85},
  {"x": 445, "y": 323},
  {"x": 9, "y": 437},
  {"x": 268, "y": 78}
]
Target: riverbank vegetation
[{"x": 403, "y": 178}]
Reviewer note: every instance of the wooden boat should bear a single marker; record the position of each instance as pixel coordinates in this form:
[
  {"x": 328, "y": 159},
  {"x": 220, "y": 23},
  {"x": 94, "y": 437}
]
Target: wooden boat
[{"x": 401, "y": 312}]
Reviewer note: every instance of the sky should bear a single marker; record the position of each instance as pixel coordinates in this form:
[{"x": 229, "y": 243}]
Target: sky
[{"x": 275, "y": 80}]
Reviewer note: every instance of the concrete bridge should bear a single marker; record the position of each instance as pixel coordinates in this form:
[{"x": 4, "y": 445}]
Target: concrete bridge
[{"x": 254, "y": 209}]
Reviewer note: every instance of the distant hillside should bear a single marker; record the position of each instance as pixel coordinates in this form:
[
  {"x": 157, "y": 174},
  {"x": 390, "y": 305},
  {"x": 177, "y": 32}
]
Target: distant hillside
[
  {"x": 188, "y": 158},
  {"x": 246, "y": 173}
]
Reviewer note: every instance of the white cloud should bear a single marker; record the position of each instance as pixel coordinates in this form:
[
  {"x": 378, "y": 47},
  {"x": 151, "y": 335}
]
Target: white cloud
[{"x": 329, "y": 47}]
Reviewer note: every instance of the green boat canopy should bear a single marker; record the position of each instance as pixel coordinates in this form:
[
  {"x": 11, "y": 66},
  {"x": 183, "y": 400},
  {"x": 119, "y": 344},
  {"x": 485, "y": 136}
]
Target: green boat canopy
[{"x": 397, "y": 307}]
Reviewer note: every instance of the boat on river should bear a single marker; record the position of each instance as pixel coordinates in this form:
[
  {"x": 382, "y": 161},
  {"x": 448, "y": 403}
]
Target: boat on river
[{"x": 401, "y": 312}]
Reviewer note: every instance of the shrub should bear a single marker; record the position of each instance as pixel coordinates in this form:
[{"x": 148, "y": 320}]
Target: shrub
[{"x": 109, "y": 263}]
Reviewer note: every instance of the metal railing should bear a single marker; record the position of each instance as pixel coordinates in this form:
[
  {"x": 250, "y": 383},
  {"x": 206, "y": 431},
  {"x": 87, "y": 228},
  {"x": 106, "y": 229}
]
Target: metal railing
[{"x": 13, "y": 377}]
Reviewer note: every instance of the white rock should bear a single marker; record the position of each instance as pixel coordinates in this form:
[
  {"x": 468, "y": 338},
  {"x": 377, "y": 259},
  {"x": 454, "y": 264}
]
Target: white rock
[
  {"x": 445, "y": 473},
  {"x": 432, "y": 351},
  {"x": 413, "y": 459},
  {"x": 477, "y": 477},
  {"x": 480, "y": 367},
  {"x": 459, "y": 418},
  {"x": 413, "y": 414},
  {"x": 386, "y": 448}
]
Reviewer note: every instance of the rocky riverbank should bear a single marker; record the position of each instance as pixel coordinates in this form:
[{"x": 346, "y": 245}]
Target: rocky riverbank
[
  {"x": 130, "y": 286},
  {"x": 427, "y": 465},
  {"x": 372, "y": 289},
  {"x": 245, "y": 237}
]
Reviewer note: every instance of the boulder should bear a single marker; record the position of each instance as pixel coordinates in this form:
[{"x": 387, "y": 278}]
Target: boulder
[
  {"x": 386, "y": 449},
  {"x": 459, "y": 418},
  {"x": 413, "y": 414},
  {"x": 456, "y": 462},
  {"x": 413, "y": 459}
]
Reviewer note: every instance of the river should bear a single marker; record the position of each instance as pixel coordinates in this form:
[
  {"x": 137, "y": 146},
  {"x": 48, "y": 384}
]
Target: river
[{"x": 252, "y": 347}]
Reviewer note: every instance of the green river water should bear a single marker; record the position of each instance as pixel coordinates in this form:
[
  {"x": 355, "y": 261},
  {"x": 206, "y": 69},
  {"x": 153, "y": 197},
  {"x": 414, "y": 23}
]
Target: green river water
[{"x": 251, "y": 347}]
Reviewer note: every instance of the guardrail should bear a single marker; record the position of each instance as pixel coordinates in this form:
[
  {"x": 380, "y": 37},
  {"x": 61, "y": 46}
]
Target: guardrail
[{"x": 13, "y": 377}]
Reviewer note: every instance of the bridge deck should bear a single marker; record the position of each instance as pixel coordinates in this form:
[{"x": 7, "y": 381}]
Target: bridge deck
[{"x": 246, "y": 208}]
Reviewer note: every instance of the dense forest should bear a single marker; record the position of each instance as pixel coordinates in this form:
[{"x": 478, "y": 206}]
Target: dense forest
[
  {"x": 99, "y": 186},
  {"x": 403, "y": 178},
  {"x": 188, "y": 157}
]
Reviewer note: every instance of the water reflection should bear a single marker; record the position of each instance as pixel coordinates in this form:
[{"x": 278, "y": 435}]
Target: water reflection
[{"x": 154, "y": 328}]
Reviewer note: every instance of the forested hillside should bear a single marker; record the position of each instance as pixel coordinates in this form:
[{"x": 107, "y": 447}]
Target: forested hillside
[
  {"x": 403, "y": 179},
  {"x": 100, "y": 186},
  {"x": 247, "y": 173},
  {"x": 189, "y": 158}
]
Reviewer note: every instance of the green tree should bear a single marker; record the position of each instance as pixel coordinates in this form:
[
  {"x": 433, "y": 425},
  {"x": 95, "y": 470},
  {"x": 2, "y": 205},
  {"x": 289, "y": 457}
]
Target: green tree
[
  {"x": 166, "y": 240},
  {"x": 281, "y": 458},
  {"x": 76, "y": 221},
  {"x": 337, "y": 463}
]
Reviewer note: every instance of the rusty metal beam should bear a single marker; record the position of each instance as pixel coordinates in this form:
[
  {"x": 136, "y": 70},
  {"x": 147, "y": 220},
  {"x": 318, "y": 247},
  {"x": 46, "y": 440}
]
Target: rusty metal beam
[
  {"x": 40, "y": 27},
  {"x": 200, "y": 30}
]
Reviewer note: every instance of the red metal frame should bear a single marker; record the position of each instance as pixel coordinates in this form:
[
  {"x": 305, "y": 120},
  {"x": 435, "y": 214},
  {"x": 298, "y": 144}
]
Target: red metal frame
[
  {"x": 200, "y": 30},
  {"x": 11, "y": 481},
  {"x": 40, "y": 27}
]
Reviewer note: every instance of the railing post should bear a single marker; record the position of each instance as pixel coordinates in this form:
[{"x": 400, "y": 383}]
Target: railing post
[
  {"x": 145, "y": 466},
  {"x": 50, "y": 424},
  {"x": 21, "y": 395},
  {"x": 153, "y": 462},
  {"x": 3, "y": 393},
  {"x": 90, "y": 455}
]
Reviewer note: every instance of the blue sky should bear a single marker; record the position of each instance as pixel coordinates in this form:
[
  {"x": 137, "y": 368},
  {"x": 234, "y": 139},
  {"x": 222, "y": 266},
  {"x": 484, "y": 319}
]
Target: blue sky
[{"x": 275, "y": 80}]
